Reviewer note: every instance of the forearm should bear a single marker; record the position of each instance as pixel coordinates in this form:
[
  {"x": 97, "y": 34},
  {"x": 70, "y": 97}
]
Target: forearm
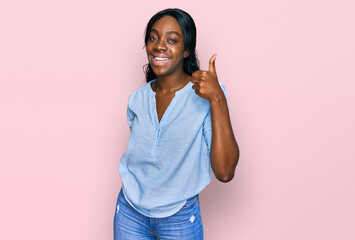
[{"x": 224, "y": 148}]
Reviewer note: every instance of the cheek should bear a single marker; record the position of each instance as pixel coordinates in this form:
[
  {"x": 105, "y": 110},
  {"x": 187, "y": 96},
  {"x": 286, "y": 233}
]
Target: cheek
[
  {"x": 148, "y": 48},
  {"x": 179, "y": 53},
  {"x": 148, "y": 51}
]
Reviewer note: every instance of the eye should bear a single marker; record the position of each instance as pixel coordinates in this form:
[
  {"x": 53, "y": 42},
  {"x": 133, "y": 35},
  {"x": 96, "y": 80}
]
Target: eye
[
  {"x": 172, "y": 40},
  {"x": 152, "y": 38}
]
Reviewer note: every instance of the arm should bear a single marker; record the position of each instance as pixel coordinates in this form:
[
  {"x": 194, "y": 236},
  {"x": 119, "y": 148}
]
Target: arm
[{"x": 224, "y": 148}]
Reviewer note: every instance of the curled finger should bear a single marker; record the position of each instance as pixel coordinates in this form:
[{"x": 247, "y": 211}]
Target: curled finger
[{"x": 196, "y": 86}]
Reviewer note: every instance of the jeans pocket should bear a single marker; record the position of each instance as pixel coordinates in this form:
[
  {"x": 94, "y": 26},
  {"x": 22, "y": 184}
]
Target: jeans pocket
[{"x": 190, "y": 203}]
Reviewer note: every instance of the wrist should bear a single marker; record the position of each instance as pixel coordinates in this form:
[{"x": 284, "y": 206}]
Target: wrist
[{"x": 217, "y": 98}]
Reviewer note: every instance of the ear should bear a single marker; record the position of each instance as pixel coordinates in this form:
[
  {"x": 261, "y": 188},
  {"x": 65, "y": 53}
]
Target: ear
[{"x": 186, "y": 53}]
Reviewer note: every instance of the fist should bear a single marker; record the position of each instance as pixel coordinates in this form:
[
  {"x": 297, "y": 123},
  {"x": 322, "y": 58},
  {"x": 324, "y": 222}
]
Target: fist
[{"x": 205, "y": 83}]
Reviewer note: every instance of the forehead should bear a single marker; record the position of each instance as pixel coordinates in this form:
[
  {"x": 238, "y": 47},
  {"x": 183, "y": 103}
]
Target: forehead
[{"x": 167, "y": 24}]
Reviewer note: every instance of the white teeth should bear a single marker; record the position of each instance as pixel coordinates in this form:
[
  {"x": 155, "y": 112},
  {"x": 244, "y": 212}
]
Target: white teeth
[{"x": 161, "y": 59}]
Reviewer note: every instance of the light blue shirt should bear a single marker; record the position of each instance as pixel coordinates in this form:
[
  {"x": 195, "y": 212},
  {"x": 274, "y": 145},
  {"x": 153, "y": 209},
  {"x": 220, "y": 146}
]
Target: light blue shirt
[{"x": 168, "y": 162}]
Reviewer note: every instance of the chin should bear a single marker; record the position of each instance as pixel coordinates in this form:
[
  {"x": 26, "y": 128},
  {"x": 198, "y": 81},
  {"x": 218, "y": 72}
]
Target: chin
[{"x": 160, "y": 72}]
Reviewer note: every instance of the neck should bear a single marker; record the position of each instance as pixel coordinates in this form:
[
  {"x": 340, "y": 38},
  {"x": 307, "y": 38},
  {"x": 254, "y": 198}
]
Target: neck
[{"x": 171, "y": 83}]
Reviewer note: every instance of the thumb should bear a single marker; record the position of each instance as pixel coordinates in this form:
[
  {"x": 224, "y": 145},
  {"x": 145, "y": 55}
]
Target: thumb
[{"x": 212, "y": 67}]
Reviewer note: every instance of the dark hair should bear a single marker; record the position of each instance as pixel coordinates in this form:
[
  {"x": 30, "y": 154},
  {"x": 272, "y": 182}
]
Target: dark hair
[{"x": 188, "y": 29}]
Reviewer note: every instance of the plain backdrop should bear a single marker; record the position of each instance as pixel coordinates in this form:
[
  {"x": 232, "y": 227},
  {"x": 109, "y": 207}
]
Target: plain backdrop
[{"x": 68, "y": 67}]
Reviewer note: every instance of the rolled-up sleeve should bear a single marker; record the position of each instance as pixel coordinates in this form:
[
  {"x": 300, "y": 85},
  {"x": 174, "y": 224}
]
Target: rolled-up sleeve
[{"x": 130, "y": 113}]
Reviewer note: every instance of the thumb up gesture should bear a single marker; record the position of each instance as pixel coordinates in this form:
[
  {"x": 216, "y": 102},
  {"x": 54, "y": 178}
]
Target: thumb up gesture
[{"x": 206, "y": 82}]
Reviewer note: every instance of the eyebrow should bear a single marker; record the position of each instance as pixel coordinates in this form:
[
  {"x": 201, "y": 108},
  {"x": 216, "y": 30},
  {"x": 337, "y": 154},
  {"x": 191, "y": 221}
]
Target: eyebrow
[{"x": 154, "y": 30}]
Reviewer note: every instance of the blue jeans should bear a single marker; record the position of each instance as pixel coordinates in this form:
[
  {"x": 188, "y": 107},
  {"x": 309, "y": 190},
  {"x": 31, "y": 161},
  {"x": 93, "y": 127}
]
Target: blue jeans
[{"x": 186, "y": 224}]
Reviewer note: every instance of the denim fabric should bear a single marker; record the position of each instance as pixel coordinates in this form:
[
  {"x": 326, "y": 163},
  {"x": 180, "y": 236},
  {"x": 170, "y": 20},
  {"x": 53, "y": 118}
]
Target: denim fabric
[{"x": 186, "y": 224}]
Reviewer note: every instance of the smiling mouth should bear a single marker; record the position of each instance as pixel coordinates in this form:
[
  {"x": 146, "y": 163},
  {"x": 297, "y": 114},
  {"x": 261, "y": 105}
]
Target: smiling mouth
[{"x": 160, "y": 59}]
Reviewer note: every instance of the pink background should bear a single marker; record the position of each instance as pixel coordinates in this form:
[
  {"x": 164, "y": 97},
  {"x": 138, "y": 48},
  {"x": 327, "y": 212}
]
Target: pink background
[{"x": 68, "y": 67}]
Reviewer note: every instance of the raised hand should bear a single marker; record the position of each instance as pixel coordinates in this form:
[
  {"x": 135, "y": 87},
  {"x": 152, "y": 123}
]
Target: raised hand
[{"x": 206, "y": 82}]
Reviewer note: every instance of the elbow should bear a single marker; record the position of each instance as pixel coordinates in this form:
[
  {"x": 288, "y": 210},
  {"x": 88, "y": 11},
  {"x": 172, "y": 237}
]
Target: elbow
[
  {"x": 225, "y": 177},
  {"x": 227, "y": 174}
]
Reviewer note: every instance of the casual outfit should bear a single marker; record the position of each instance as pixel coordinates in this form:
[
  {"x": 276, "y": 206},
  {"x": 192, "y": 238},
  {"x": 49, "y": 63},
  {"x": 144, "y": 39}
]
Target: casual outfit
[
  {"x": 166, "y": 163},
  {"x": 131, "y": 225}
]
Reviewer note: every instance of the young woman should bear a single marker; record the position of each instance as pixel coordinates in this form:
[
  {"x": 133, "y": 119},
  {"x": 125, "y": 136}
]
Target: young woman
[{"x": 180, "y": 126}]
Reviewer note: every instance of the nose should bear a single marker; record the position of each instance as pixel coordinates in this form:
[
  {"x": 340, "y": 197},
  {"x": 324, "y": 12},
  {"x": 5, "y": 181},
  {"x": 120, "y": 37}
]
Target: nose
[{"x": 160, "y": 46}]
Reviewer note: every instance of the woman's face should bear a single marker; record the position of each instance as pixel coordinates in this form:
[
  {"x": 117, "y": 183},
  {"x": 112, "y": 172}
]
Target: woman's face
[{"x": 165, "y": 47}]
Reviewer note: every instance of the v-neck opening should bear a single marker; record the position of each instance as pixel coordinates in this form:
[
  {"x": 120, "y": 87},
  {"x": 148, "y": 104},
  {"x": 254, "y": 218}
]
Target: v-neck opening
[
  {"x": 172, "y": 102},
  {"x": 165, "y": 112}
]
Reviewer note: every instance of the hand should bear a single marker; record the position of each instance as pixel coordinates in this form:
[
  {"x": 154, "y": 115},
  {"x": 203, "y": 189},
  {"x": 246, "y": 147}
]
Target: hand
[{"x": 206, "y": 82}]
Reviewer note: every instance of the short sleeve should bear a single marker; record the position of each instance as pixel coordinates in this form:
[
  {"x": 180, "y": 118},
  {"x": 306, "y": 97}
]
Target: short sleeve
[
  {"x": 130, "y": 113},
  {"x": 224, "y": 89},
  {"x": 207, "y": 123}
]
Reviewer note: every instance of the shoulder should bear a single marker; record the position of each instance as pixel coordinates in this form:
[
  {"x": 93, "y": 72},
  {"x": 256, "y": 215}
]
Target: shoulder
[{"x": 140, "y": 93}]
